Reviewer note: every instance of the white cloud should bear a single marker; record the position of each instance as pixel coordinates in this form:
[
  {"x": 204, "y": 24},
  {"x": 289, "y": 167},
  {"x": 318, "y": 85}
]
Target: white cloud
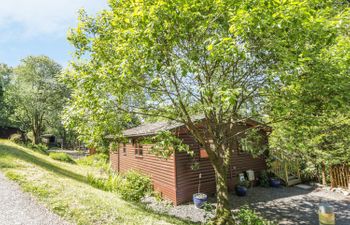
[{"x": 23, "y": 19}]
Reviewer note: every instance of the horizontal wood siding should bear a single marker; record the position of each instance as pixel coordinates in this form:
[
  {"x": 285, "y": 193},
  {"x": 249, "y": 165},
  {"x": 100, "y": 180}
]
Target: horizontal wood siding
[
  {"x": 242, "y": 162},
  {"x": 187, "y": 179},
  {"x": 162, "y": 171},
  {"x": 174, "y": 178}
]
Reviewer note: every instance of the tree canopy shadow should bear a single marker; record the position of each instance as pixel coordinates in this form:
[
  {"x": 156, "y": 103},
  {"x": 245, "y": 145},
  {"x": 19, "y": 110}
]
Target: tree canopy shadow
[{"x": 292, "y": 205}]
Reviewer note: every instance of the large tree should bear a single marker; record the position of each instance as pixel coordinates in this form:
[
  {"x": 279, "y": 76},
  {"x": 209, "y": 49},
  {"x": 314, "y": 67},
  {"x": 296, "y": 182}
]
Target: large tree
[
  {"x": 309, "y": 44},
  {"x": 35, "y": 94},
  {"x": 5, "y": 73},
  {"x": 227, "y": 60},
  {"x": 171, "y": 60}
]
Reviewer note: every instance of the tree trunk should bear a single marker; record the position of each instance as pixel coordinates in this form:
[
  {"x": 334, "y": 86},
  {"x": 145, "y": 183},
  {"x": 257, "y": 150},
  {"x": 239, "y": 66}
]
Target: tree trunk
[
  {"x": 323, "y": 167},
  {"x": 36, "y": 137},
  {"x": 223, "y": 209}
]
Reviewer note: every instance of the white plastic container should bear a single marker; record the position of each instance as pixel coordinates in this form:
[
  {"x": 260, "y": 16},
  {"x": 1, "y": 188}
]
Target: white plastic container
[{"x": 250, "y": 174}]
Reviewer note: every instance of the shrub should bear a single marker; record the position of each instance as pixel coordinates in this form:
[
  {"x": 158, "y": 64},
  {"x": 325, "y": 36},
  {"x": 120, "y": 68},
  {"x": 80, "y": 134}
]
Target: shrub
[
  {"x": 16, "y": 138},
  {"x": 38, "y": 148},
  {"x": 107, "y": 184},
  {"x": 96, "y": 182},
  {"x": 134, "y": 186},
  {"x": 247, "y": 216},
  {"x": 264, "y": 179},
  {"x": 96, "y": 160},
  {"x": 61, "y": 156},
  {"x": 131, "y": 186}
]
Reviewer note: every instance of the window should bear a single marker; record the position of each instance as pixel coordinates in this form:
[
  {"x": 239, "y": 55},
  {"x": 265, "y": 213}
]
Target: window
[
  {"x": 124, "y": 149},
  {"x": 202, "y": 152},
  {"x": 138, "y": 149}
]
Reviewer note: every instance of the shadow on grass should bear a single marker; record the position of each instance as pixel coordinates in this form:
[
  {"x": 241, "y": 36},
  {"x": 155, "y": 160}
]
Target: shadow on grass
[
  {"x": 12, "y": 151},
  {"x": 7, "y": 150}
]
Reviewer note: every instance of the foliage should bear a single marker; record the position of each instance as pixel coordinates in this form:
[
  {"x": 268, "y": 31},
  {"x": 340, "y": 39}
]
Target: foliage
[
  {"x": 309, "y": 171},
  {"x": 131, "y": 186},
  {"x": 243, "y": 183},
  {"x": 165, "y": 143},
  {"x": 248, "y": 217},
  {"x": 63, "y": 187},
  {"x": 17, "y": 138},
  {"x": 5, "y": 109},
  {"x": 264, "y": 179},
  {"x": 150, "y": 60},
  {"x": 41, "y": 148},
  {"x": 134, "y": 186},
  {"x": 95, "y": 160},
  {"x": 61, "y": 156},
  {"x": 253, "y": 142},
  {"x": 309, "y": 44},
  {"x": 282, "y": 61},
  {"x": 112, "y": 183},
  {"x": 40, "y": 97}
]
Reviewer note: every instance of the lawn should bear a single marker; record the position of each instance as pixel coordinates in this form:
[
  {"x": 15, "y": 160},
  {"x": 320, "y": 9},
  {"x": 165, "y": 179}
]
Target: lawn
[{"x": 63, "y": 188}]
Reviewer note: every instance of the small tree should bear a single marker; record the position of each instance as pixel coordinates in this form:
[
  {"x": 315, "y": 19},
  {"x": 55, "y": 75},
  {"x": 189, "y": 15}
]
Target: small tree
[
  {"x": 5, "y": 110},
  {"x": 34, "y": 93}
]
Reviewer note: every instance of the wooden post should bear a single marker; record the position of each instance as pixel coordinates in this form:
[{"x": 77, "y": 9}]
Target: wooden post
[
  {"x": 323, "y": 166},
  {"x": 331, "y": 175},
  {"x": 298, "y": 170},
  {"x": 286, "y": 173}
]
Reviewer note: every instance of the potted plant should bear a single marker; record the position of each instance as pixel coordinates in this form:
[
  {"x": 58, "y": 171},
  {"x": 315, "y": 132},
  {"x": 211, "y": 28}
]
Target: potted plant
[
  {"x": 264, "y": 180},
  {"x": 242, "y": 187},
  {"x": 275, "y": 182},
  {"x": 199, "y": 198}
]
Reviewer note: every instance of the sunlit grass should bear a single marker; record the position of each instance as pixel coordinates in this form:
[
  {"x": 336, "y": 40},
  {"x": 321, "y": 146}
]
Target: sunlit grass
[{"x": 63, "y": 188}]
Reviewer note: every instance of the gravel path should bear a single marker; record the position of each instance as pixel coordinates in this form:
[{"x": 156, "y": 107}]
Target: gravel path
[
  {"x": 292, "y": 205},
  {"x": 285, "y": 205},
  {"x": 18, "y": 208}
]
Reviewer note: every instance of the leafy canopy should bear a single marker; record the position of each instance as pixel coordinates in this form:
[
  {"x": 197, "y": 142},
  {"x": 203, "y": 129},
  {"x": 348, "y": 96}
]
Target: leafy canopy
[{"x": 40, "y": 95}]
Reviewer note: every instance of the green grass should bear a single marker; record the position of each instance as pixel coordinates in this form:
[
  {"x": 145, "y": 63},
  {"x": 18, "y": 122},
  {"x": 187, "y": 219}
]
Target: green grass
[
  {"x": 63, "y": 188},
  {"x": 61, "y": 156}
]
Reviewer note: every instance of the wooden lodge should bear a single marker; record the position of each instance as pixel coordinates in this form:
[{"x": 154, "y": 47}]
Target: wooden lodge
[{"x": 173, "y": 178}]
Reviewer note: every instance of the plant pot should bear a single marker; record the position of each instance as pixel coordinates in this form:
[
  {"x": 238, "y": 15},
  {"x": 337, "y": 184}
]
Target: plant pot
[
  {"x": 199, "y": 199},
  {"x": 275, "y": 183},
  {"x": 241, "y": 190}
]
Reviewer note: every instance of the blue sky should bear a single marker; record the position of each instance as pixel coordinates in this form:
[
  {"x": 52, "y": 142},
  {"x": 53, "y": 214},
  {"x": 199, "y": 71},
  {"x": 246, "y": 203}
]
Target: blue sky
[{"x": 39, "y": 27}]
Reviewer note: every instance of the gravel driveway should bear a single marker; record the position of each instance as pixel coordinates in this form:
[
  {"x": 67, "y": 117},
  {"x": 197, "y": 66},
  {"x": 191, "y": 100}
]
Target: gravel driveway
[
  {"x": 285, "y": 205},
  {"x": 17, "y": 207},
  {"x": 292, "y": 205}
]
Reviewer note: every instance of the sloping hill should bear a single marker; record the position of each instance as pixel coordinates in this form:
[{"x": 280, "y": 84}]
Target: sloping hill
[{"x": 62, "y": 187}]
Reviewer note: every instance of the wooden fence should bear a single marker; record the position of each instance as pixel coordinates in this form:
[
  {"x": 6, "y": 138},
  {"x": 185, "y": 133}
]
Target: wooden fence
[{"x": 340, "y": 176}]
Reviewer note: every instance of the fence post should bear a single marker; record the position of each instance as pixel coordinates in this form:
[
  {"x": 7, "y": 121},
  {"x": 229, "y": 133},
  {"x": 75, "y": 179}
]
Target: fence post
[
  {"x": 323, "y": 168},
  {"x": 331, "y": 175},
  {"x": 286, "y": 173}
]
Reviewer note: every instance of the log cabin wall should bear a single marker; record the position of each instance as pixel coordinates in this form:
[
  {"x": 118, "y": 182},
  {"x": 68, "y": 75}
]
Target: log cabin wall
[
  {"x": 173, "y": 177},
  {"x": 161, "y": 171},
  {"x": 187, "y": 179}
]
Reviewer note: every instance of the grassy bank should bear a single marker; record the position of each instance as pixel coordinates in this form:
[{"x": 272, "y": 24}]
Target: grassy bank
[{"x": 63, "y": 188}]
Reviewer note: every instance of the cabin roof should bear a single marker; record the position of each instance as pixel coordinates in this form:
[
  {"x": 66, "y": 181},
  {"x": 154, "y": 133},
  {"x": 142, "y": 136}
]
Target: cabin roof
[{"x": 153, "y": 128}]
